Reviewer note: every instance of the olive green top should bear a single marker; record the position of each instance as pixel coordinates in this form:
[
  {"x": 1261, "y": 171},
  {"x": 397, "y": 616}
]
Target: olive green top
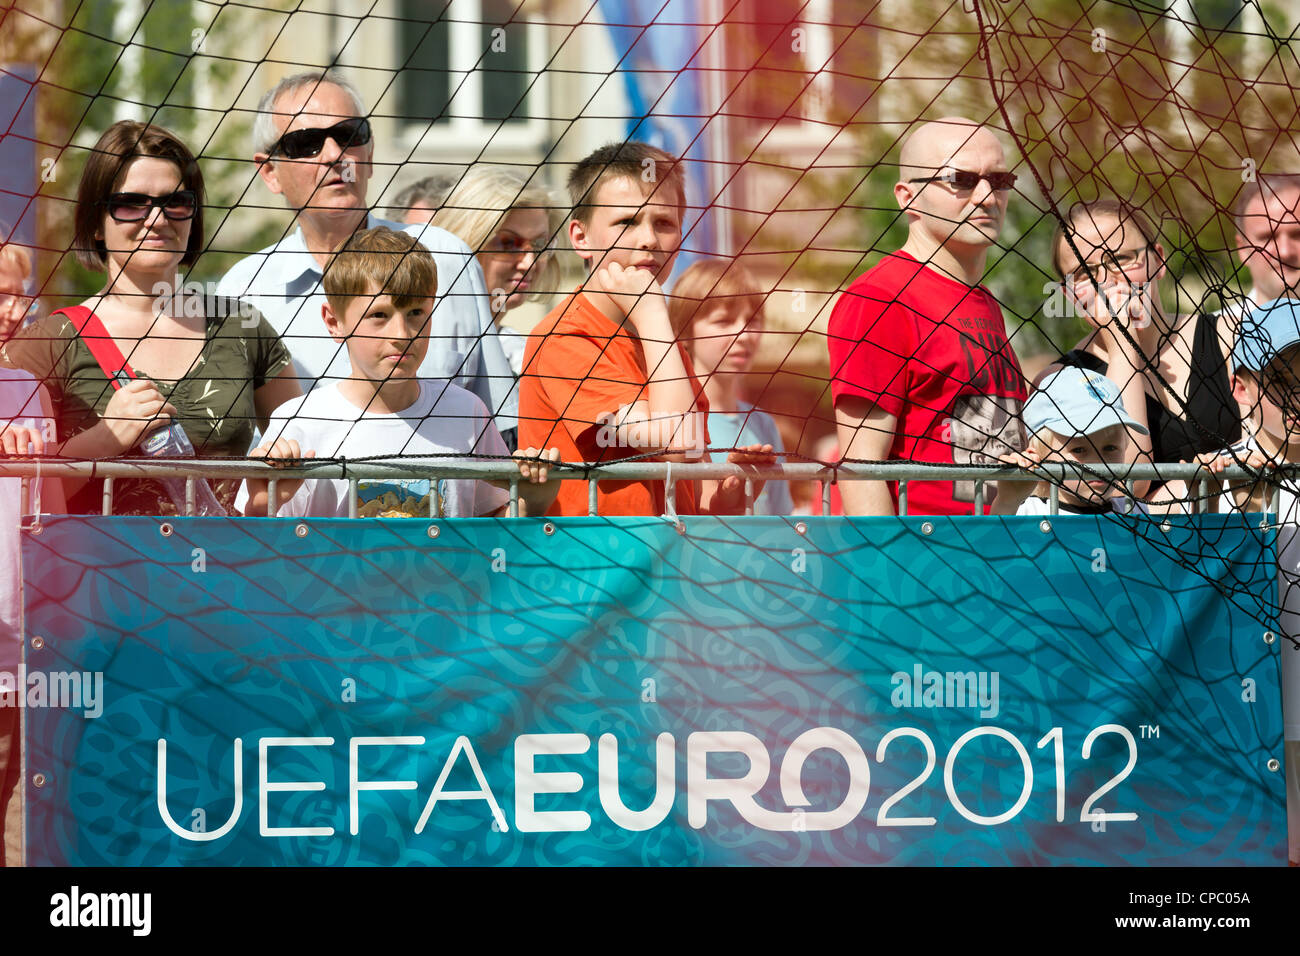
[{"x": 215, "y": 399}]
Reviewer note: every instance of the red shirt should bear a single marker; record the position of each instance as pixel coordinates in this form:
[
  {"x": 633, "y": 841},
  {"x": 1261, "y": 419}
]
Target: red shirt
[
  {"x": 932, "y": 352},
  {"x": 579, "y": 366}
]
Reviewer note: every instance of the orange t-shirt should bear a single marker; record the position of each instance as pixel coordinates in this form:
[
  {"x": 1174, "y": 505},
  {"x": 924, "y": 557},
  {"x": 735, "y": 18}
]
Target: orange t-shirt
[{"x": 580, "y": 366}]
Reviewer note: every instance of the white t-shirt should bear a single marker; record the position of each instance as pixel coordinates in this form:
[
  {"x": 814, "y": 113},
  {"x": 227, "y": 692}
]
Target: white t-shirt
[
  {"x": 20, "y": 404},
  {"x": 284, "y": 283},
  {"x": 444, "y": 420},
  {"x": 1033, "y": 505},
  {"x": 513, "y": 342}
]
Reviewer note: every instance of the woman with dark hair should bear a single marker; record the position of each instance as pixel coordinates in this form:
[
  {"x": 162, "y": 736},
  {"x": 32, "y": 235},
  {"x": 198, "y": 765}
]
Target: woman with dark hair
[
  {"x": 1172, "y": 370},
  {"x": 145, "y": 351}
]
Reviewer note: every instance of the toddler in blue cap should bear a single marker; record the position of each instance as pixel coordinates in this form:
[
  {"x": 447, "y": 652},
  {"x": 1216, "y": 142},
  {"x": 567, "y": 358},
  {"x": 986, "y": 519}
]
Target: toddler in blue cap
[{"x": 1077, "y": 415}]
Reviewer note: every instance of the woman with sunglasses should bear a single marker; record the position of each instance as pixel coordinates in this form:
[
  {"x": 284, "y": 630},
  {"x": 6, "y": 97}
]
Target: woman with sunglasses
[
  {"x": 510, "y": 226},
  {"x": 1172, "y": 369},
  {"x": 143, "y": 351}
]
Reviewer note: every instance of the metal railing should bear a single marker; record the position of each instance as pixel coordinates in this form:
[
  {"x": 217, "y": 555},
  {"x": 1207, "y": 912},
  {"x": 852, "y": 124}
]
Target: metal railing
[{"x": 499, "y": 469}]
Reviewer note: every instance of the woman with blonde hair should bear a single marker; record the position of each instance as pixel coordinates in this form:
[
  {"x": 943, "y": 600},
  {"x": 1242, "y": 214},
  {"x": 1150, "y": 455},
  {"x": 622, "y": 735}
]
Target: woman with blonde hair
[{"x": 510, "y": 225}]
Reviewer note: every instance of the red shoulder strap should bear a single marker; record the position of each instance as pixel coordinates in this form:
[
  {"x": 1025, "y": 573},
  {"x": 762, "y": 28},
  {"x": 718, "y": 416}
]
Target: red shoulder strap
[{"x": 100, "y": 343}]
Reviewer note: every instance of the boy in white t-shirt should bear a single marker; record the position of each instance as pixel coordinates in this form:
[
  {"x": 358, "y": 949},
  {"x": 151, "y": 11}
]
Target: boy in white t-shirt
[
  {"x": 1266, "y": 385},
  {"x": 1076, "y": 415},
  {"x": 380, "y": 287}
]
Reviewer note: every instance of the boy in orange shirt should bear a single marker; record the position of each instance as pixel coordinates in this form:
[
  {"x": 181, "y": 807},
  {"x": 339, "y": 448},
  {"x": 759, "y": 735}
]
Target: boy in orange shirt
[{"x": 603, "y": 376}]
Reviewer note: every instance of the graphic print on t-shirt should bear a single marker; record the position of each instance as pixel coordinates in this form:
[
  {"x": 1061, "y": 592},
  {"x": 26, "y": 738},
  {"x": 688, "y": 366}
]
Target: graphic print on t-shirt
[
  {"x": 397, "y": 497},
  {"x": 984, "y": 426}
]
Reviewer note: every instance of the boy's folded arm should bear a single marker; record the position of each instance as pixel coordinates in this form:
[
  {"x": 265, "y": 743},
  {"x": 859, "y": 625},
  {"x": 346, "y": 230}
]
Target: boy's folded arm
[
  {"x": 676, "y": 436},
  {"x": 668, "y": 422},
  {"x": 605, "y": 410}
]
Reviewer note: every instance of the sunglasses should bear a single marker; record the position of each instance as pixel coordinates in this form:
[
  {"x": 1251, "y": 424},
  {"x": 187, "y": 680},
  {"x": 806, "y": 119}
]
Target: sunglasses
[
  {"x": 963, "y": 180},
  {"x": 513, "y": 245},
  {"x": 306, "y": 143},
  {"x": 133, "y": 207}
]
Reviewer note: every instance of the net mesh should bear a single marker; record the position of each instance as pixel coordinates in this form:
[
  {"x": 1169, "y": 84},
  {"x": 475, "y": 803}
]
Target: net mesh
[{"x": 790, "y": 118}]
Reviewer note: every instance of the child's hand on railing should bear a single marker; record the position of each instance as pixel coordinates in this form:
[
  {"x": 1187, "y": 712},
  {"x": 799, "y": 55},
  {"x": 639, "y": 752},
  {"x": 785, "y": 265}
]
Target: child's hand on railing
[
  {"x": 281, "y": 452},
  {"x": 535, "y": 471},
  {"x": 1217, "y": 462},
  {"x": 1010, "y": 492},
  {"x": 536, "y": 496},
  {"x": 729, "y": 496}
]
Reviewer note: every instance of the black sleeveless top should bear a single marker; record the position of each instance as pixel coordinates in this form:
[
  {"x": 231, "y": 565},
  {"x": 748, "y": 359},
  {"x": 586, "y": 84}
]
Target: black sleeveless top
[{"x": 1212, "y": 421}]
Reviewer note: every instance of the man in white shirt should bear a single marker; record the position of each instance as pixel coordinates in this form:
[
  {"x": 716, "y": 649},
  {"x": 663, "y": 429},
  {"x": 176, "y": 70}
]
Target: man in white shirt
[{"x": 313, "y": 146}]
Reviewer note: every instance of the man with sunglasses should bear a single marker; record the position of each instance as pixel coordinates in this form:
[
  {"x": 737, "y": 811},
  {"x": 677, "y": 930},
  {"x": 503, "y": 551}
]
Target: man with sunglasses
[
  {"x": 921, "y": 369},
  {"x": 315, "y": 147}
]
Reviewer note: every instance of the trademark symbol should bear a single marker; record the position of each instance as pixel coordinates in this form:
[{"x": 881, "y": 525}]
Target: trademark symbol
[{"x": 1149, "y": 730}]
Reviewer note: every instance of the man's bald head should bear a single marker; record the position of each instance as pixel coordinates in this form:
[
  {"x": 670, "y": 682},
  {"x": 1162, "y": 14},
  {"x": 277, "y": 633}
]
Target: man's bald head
[
  {"x": 933, "y": 145},
  {"x": 951, "y": 218}
]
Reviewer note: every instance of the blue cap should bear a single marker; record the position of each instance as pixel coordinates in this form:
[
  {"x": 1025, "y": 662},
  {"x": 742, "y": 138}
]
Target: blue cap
[
  {"x": 1265, "y": 332},
  {"x": 1076, "y": 401}
]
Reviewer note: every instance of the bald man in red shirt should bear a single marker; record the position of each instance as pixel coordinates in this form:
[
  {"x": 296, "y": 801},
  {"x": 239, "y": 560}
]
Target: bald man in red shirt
[{"x": 921, "y": 368}]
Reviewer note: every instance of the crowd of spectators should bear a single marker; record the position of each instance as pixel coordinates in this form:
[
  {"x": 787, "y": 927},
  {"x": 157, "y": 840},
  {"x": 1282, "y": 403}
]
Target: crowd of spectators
[{"x": 356, "y": 336}]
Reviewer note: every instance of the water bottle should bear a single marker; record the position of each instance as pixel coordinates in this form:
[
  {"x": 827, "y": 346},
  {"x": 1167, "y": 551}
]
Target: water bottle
[{"x": 172, "y": 442}]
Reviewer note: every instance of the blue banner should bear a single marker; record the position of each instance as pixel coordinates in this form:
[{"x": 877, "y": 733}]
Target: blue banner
[
  {"x": 18, "y": 154},
  {"x": 588, "y": 691},
  {"x": 659, "y": 50}
]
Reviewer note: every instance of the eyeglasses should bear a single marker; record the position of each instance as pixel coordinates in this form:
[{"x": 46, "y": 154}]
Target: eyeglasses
[
  {"x": 10, "y": 302},
  {"x": 132, "y": 207},
  {"x": 1112, "y": 264},
  {"x": 964, "y": 180},
  {"x": 306, "y": 143}
]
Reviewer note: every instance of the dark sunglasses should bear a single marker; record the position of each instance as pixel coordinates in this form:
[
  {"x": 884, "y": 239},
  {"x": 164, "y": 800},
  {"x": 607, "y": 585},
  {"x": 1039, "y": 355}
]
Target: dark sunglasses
[
  {"x": 132, "y": 207},
  {"x": 964, "y": 180},
  {"x": 306, "y": 143}
]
